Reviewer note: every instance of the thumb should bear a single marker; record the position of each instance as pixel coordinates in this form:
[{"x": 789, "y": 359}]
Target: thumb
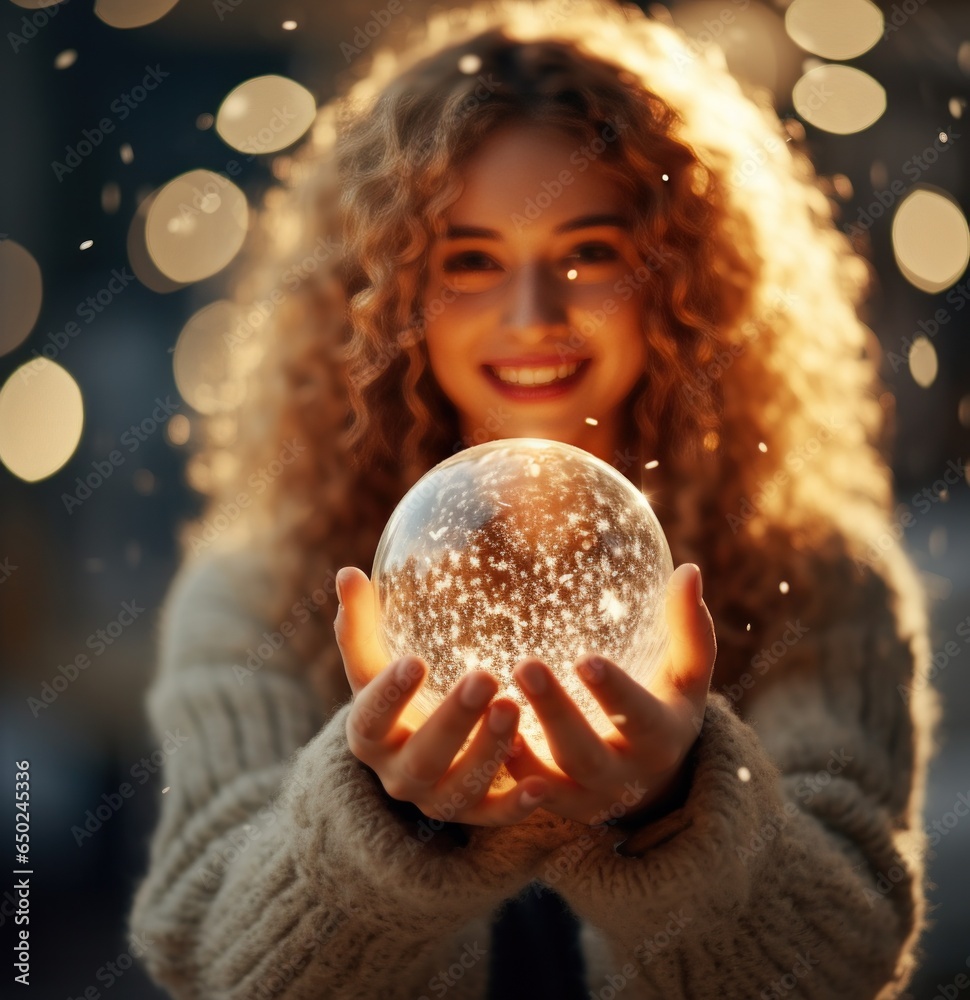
[
  {"x": 355, "y": 628},
  {"x": 693, "y": 646}
]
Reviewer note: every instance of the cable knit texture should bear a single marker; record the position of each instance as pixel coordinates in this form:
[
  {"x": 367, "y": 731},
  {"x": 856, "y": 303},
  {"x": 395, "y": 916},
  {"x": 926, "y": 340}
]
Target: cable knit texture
[{"x": 280, "y": 867}]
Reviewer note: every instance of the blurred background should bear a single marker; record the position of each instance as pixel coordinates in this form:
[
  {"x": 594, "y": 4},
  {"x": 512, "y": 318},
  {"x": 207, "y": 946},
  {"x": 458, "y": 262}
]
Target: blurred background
[{"x": 110, "y": 321}]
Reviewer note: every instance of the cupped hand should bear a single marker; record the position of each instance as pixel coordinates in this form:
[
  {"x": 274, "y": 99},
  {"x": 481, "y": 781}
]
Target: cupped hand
[
  {"x": 641, "y": 765},
  {"x": 428, "y": 762}
]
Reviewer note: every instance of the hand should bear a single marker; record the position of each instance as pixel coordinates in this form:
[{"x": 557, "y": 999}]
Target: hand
[
  {"x": 424, "y": 761},
  {"x": 641, "y": 765}
]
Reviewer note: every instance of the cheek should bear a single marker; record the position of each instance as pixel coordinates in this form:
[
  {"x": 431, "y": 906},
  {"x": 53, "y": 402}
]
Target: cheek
[{"x": 443, "y": 348}]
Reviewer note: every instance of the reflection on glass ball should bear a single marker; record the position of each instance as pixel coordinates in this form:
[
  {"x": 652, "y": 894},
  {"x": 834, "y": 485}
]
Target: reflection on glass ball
[{"x": 523, "y": 547}]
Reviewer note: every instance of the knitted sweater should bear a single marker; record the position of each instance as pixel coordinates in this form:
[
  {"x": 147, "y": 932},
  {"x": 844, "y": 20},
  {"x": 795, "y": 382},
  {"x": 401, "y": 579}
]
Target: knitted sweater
[{"x": 280, "y": 868}]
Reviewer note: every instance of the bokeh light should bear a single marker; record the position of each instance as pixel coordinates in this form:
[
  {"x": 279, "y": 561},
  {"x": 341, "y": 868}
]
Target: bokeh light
[
  {"x": 203, "y": 358},
  {"x": 751, "y": 36},
  {"x": 111, "y": 197},
  {"x": 195, "y": 225},
  {"x": 138, "y": 256},
  {"x": 835, "y": 29},
  {"x": 41, "y": 419},
  {"x": 21, "y": 293},
  {"x": 931, "y": 239},
  {"x": 839, "y": 99},
  {"x": 923, "y": 363},
  {"x": 125, "y": 14},
  {"x": 265, "y": 114}
]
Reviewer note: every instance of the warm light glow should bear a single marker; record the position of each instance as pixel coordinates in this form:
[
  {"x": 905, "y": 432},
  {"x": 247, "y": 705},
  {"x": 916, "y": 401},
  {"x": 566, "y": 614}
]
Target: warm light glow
[
  {"x": 652, "y": 464},
  {"x": 711, "y": 440},
  {"x": 835, "y": 29},
  {"x": 65, "y": 59},
  {"x": 41, "y": 418},
  {"x": 923, "y": 364},
  {"x": 839, "y": 99},
  {"x": 36, "y": 4},
  {"x": 202, "y": 358},
  {"x": 196, "y": 225},
  {"x": 469, "y": 63},
  {"x": 125, "y": 14},
  {"x": 86, "y": 245},
  {"x": 931, "y": 240},
  {"x": 126, "y": 153},
  {"x": 762, "y": 447},
  {"x": 21, "y": 293},
  {"x": 289, "y": 26},
  {"x": 265, "y": 114},
  {"x": 592, "y": 421},
  {"x": 783, "y": 586}
]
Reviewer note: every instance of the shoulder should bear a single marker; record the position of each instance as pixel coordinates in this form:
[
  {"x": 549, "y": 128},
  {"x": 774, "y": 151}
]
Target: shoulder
[{"x": 216, "y": 608}]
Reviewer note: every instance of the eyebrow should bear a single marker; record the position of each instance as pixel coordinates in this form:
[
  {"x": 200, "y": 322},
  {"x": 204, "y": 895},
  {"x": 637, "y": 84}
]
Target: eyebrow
[{"x": 581, "y": 222}]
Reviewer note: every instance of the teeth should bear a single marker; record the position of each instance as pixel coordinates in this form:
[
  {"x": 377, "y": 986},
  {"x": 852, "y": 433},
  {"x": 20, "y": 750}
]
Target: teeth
[{"x": 535, "y": 376}]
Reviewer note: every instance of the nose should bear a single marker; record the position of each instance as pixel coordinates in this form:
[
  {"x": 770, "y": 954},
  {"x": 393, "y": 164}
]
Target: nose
[{"x": 535, "y": 303}]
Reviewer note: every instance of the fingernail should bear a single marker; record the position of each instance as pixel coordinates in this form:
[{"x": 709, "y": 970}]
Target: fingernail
[
  {"x": 684, "y": 583},
  {"x": 475, "y": 692},
  {"x": 501, "y": 719},
  {"x": 408, "y": 669},
  {"x": 529, "y": 801},
  {"x": 593, "y": 670},
  {"x": 336, "y": 583},
  {"x": 533, "y": 678}
]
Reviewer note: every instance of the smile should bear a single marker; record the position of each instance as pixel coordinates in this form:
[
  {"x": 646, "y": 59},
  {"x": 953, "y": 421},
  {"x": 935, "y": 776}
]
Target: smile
[{"x": 534, "y": 376}]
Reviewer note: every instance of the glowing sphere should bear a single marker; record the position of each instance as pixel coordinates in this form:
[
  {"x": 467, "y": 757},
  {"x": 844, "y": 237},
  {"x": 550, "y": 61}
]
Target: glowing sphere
[{"x": 523, "y": 547}]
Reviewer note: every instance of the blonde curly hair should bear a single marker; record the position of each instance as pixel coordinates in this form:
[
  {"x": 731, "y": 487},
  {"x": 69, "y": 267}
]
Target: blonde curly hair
[{"x": 771, "y": 471}]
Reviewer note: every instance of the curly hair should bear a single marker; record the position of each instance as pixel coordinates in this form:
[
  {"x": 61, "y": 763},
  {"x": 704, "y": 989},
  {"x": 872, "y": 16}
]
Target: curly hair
[{"x": 770, "y": 464}]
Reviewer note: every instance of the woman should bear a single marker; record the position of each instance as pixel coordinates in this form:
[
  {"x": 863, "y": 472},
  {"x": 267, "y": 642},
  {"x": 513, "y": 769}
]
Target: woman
[{"x": 547, "y": 225}]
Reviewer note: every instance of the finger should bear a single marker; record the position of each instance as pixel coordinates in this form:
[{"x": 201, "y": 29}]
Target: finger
[
  {"x": 693, "y": 647},
  {"x": 492, "y": 746},
  {"x": 634, "y": 711},
  {"x": 379, "y": 706},
  {"x": 355, "y": 628},
  {"x": 575, "y": 746},
  {"x": 430, "y": 751},
  {"x": 508, "y": 807}
]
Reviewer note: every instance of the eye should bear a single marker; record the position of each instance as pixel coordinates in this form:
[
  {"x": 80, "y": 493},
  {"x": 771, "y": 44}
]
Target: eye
[
  {"x": 472, "y": 271},
  {"x": 591, "y": 263}
]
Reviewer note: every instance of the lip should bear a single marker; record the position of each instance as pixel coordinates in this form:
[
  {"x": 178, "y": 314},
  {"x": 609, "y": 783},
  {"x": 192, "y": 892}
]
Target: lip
[{"x": 551, "y": 390}]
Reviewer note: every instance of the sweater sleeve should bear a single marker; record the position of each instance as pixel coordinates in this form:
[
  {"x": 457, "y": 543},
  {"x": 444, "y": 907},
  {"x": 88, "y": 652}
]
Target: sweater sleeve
[
  {"x": 794, "y": 867},
  {"x": 280, "y": 867}
]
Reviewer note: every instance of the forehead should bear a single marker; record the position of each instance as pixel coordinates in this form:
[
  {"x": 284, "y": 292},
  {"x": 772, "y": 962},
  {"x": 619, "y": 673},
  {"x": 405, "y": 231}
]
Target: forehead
[{"x": 521, "y": 168}]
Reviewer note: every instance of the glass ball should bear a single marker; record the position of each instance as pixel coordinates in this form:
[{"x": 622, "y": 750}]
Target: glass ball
[{"x": 523, "y": 547}]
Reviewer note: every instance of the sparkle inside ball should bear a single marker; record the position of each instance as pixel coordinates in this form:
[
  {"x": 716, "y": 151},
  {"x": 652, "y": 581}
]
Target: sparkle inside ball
[{"x": 523, "y": 547}]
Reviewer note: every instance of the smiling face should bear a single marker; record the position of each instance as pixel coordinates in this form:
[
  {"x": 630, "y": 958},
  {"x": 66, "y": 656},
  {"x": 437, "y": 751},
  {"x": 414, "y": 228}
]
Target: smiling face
[{"x": 533, "y": 326}]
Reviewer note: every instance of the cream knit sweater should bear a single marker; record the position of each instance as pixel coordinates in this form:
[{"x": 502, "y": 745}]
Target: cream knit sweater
[{"x": 281, "y": 869}]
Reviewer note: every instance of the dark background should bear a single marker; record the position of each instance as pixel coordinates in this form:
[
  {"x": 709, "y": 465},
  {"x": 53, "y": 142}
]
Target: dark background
[{"x": 74, "y": 570}]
